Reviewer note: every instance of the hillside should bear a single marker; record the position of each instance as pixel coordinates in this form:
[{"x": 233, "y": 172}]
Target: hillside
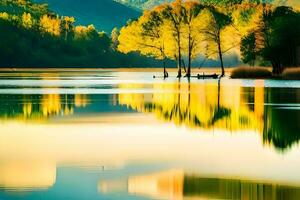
[
  {"x": 34, "y": 36},
  {"x": 17, "y": 8},
  {"x": 104, "y": 14}
]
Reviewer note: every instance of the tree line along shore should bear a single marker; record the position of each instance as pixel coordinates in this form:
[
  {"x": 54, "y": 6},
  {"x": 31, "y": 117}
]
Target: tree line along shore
[
  {"x": 262, "y": 34},
  {"x": 176, "y": 33}
]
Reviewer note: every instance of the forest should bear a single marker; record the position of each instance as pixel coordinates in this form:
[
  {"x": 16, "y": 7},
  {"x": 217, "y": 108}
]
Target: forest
[
  {"x": 259, "y": 33},
  {"x": 262, "y": 34},
  {"x": 34, "y": 36}
]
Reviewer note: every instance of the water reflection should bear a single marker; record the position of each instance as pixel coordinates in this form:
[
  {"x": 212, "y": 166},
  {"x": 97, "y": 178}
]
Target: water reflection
[
  {"x": 281, "y": 123},
  {"x": 178, "y": 185},
  {"x": 65, "y": 144},
  {"x": 207, "y": 106},
  {"x": 225, "y": 107},
  {"x": 27, "y": 176},
  {"x": 271, "y": 112},
  {"x": 39, "y": 107}
]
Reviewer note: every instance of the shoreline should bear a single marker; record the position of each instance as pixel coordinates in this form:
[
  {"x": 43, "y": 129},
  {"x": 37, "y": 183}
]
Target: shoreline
[
  {"x": 158, "y": 70},
  {"x": 195, "y": 71}
]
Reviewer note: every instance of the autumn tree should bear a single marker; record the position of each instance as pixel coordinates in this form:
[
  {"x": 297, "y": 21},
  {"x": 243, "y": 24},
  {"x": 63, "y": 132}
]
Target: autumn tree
[
  {"x": 4, "y": 15},
  {"x": 192, "y": 24},
  {"x": 174, "y": 14},
  {"x": 154, "y": 31},
  {"x": 114, "y": 37},
  {"x": 50, "y": 24},
  {"x": 67, "y": 27},
  {"x": 216, "y": 23},
  {"x": 27, "y": 20},
  {"x": 148, "y": 35}
]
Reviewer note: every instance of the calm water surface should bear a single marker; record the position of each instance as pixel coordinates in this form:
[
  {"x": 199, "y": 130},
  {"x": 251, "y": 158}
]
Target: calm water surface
[{"x": 124, "y": 135}]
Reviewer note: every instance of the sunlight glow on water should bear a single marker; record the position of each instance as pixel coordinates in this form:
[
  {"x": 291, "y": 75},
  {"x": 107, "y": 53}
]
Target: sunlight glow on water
[{"x": 117, "y": 135}]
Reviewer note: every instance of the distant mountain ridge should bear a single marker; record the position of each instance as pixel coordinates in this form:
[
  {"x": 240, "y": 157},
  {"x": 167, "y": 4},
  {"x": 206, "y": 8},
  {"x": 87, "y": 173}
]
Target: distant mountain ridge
[
  {"x": 104, "y": 14},
  {"x": 146, "y": 4},
  {"x": 142, "y": 4}
]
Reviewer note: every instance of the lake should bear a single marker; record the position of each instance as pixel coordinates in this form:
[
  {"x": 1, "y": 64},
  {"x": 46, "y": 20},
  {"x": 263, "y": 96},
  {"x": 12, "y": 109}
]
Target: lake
[{"x": 101, "y": 134}]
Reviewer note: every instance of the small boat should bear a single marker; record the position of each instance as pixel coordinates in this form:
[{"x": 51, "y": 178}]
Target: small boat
[{"x": 204, "y": 76}]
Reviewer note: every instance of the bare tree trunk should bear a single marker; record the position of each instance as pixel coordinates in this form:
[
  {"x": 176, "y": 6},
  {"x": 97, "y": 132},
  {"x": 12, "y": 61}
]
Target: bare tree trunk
[
  {"x": 179, "y": 55},
  {"x": 219, "y": 91},
  {"x": 221, "y": 55},
  {"x": 277, "y": 67},
  {"x": 188, "y": 74},
  {"x": 183, "y": 65},
  {"x": 165, "y": 70}
]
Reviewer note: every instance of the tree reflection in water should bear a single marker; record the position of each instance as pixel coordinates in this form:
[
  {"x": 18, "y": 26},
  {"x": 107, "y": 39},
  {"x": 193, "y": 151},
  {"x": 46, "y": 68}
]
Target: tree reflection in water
[
  {"x": 179, "y": 185},
  {"x": 281, "y": 124},
  {"x": 37, "y": 108},
  {"x": 222, "y": 106},
  {"x": 203, "y": 105}
]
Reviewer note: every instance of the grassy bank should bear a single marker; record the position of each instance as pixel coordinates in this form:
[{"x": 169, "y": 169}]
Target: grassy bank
[
  {"x": 291, "y": 74},
  {"x": 265, "y": 73}
]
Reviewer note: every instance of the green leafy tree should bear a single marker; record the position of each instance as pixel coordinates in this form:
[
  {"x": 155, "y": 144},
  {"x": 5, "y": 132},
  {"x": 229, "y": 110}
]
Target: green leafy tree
[{"x": 281, "y": 37}]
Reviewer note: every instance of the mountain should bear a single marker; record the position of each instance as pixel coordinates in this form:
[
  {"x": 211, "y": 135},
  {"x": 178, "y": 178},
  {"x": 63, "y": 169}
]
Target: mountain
[
  {"x": 142, "y": 4},
  {"x": 104, "y": 14},
  {"x": 146, "y": 4}
]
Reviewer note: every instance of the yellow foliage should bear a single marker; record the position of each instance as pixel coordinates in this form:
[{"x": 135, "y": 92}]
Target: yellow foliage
[
  {"x": 4, "y": 15},
  {"x": 206, "y": 106},
  {"x": 83, "y": 31},
  {"x": 192, "y": 38},
  {"x": 129, "y": 38},
  {"x": 50, "y": 24},
  {"x": 68, "y": 21},
  {"x": 251, "y": 22},
  {"x": 27, "y": 20},
  {"x": 132, "y": 39}
]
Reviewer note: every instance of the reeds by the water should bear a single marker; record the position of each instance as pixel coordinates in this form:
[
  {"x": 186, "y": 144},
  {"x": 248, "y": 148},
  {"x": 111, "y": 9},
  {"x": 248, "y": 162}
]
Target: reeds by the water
[
  {"x": 251, "y": 72},
  {"x": 291, "y": 73}
]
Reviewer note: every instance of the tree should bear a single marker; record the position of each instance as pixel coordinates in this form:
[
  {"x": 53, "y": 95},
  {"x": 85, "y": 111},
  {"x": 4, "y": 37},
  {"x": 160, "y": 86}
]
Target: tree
[
  {"x": 67, "y": 27},
  {"x": 114, "y": 37},
  {"x": 147, "y": 35},
  {"x": 192, "y": 24},
  {"x": 50, "y": 24},
  {"x": 248, "y": 49},
  {"x": 4, "y": 15},
  {"x": 281, "y": 37},
  {"x": 27, "y": 20},
  {"x": 174, "y": 14},
  {"x": 215, "y": 24},
  {"x": 154, "y": 31}
]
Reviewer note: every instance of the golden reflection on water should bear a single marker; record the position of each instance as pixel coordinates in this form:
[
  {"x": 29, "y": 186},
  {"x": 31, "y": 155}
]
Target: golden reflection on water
[
  {"x": 214, "y": 105},
  {"x": 38, "y": 108},
  {"x": 200, "y": 106},
  {"x": 205, "y": 106}
]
